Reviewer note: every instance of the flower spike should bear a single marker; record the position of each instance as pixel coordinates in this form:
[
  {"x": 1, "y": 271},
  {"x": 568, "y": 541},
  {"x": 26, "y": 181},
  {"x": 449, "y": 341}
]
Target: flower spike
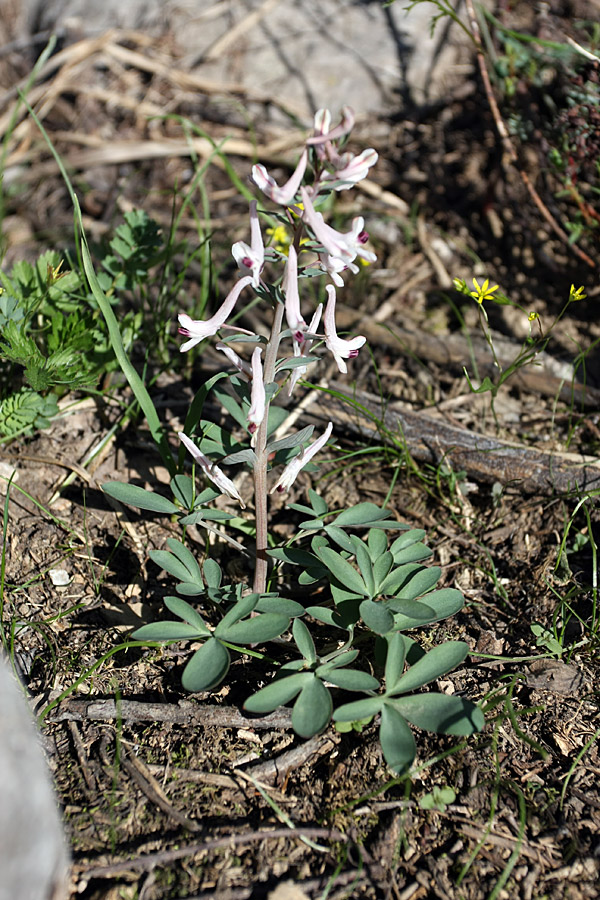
[
  {"x": 267, "y": 184},
  {"x": 293, "y": 468},
  {"x": 341, "y": 349},
  {"x": 212, "y": 471},
  {"x": 199, "y": 329}
]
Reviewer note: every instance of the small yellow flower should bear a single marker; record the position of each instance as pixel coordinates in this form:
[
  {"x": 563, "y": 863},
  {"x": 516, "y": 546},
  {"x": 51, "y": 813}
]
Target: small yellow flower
[
  {"x": 280, "y": 238},
  {"x": 483, "y": 292},
  {"x": 533, "y": 316},
  {"x": 576, "y": 293}
]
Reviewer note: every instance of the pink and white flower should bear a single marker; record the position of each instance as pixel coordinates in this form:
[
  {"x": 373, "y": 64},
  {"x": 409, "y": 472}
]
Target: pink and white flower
[
  {"x": 350, "y": 169},
  {"x": 344, "y": 247},
  {"x": 199, "y": 329},
  {"x": 244, "y": 368},
  {"x": 293, "y": 468},
  {"x": 282, "y": 195},
  {"x": 292, "y": 297},
  {"x": 302, "y": 348},
  {"x": 257, "y": 409},
  {"x": 341, "y": 349},
  {"x": 212, "y": 471},
  {"x": 251, "y": 259},
  {"x": 323, "y": 131}
]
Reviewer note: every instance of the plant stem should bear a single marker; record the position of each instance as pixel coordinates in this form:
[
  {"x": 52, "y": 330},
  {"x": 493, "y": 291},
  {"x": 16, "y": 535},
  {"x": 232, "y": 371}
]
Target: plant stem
[{"x": 260, "y": 466}]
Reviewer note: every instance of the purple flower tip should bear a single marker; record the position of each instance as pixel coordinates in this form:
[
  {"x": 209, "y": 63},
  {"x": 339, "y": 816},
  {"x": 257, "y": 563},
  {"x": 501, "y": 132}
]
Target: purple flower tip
[{"x": 363, "y": 237}]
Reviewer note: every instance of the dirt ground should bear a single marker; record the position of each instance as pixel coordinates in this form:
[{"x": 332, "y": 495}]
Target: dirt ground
[{"x": 170, "y": 796}]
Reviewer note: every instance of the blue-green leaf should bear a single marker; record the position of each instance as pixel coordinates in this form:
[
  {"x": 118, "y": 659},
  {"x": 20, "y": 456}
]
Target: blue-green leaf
[
  {"x": 188, "y": 559},
  {"x": 376, "y": 616},
  {"x": 420, "y": 583},
  {"x": 182, "y": 487},
  {"x": 339, "y": 536},
  {"x": 171, "y": 564},
  {"x": 358, "y": 709},
  {"x": 350, "y": 679},
  {"x": 376, "y": 542},
  {"x": 261, "y": 628},
  {"x": 186, "y": 612},
  {"x": 312, "y": 710},
  {"x": 396, "y": 738},
  {"x": 278, "y": 693},
  {"x": 304, "y": 641},
  {"x": 433, "y": 665},
  {"x": 318, "y": 504},
  {"x": 343, "y": 571},
  {"x": 137, "y": 496},
  {"x": 166, "y": 631},
  {"x": 441, "y": 713},
  {"x": 361, "y": 514},
  {"x": 281, "y": 605},
  {"x": 394, "y": 661},
  {"x": 207, "y": 667},
  {"x": 212, "y": 573},
  {"x": 364, "y": 563}
]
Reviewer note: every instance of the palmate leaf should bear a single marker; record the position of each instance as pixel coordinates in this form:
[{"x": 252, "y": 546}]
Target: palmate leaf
[{"x": 175, "y": 567}]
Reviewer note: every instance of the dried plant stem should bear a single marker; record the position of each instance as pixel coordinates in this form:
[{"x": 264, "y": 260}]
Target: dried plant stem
[
  {"x": 260, "y": 466},
  {"x": 508, "y": 144}
]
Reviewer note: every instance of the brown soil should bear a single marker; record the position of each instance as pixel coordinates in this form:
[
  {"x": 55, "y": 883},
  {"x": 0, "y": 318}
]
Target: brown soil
[{"x": 163, "y": 798}]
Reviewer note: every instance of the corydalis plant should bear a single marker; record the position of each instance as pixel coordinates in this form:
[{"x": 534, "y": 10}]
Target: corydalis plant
[
  {"x": 370, "y": 590},
  {"x": 315, "y": 248}
]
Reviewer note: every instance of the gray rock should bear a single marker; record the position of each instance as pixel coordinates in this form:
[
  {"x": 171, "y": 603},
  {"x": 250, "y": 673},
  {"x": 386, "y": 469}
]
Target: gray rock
[
  {"x": 33, "y": 858},
  {"x": 307, "y": 53}
]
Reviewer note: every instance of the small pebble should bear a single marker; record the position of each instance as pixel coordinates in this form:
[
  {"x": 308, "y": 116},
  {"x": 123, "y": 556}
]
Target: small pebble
[{"x": 59, "y": 577}]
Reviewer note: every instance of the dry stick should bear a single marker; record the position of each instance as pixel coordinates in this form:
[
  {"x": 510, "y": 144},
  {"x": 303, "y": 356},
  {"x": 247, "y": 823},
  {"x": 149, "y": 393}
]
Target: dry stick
[
  {"x": 153, "y": 791},
  {"x": 508, "y": 144},
  {"x": 164, "y": 857},
  {"x": 431, "y": 440},
  {"x": 184, "y": 713}
]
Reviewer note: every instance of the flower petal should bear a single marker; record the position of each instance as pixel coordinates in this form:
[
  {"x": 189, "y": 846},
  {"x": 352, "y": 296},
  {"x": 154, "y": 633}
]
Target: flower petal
[{"x": 212, "y": 471}]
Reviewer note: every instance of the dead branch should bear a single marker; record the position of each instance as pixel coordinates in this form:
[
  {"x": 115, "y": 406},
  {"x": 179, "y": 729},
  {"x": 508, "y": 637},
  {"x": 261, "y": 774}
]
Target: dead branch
[
  {"x": 184, "y": 713},
  {"x": 430, "y": 439}
]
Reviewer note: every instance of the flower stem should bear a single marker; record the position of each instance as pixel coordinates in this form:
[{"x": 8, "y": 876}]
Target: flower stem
[{"x": 260, "y": 466}]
